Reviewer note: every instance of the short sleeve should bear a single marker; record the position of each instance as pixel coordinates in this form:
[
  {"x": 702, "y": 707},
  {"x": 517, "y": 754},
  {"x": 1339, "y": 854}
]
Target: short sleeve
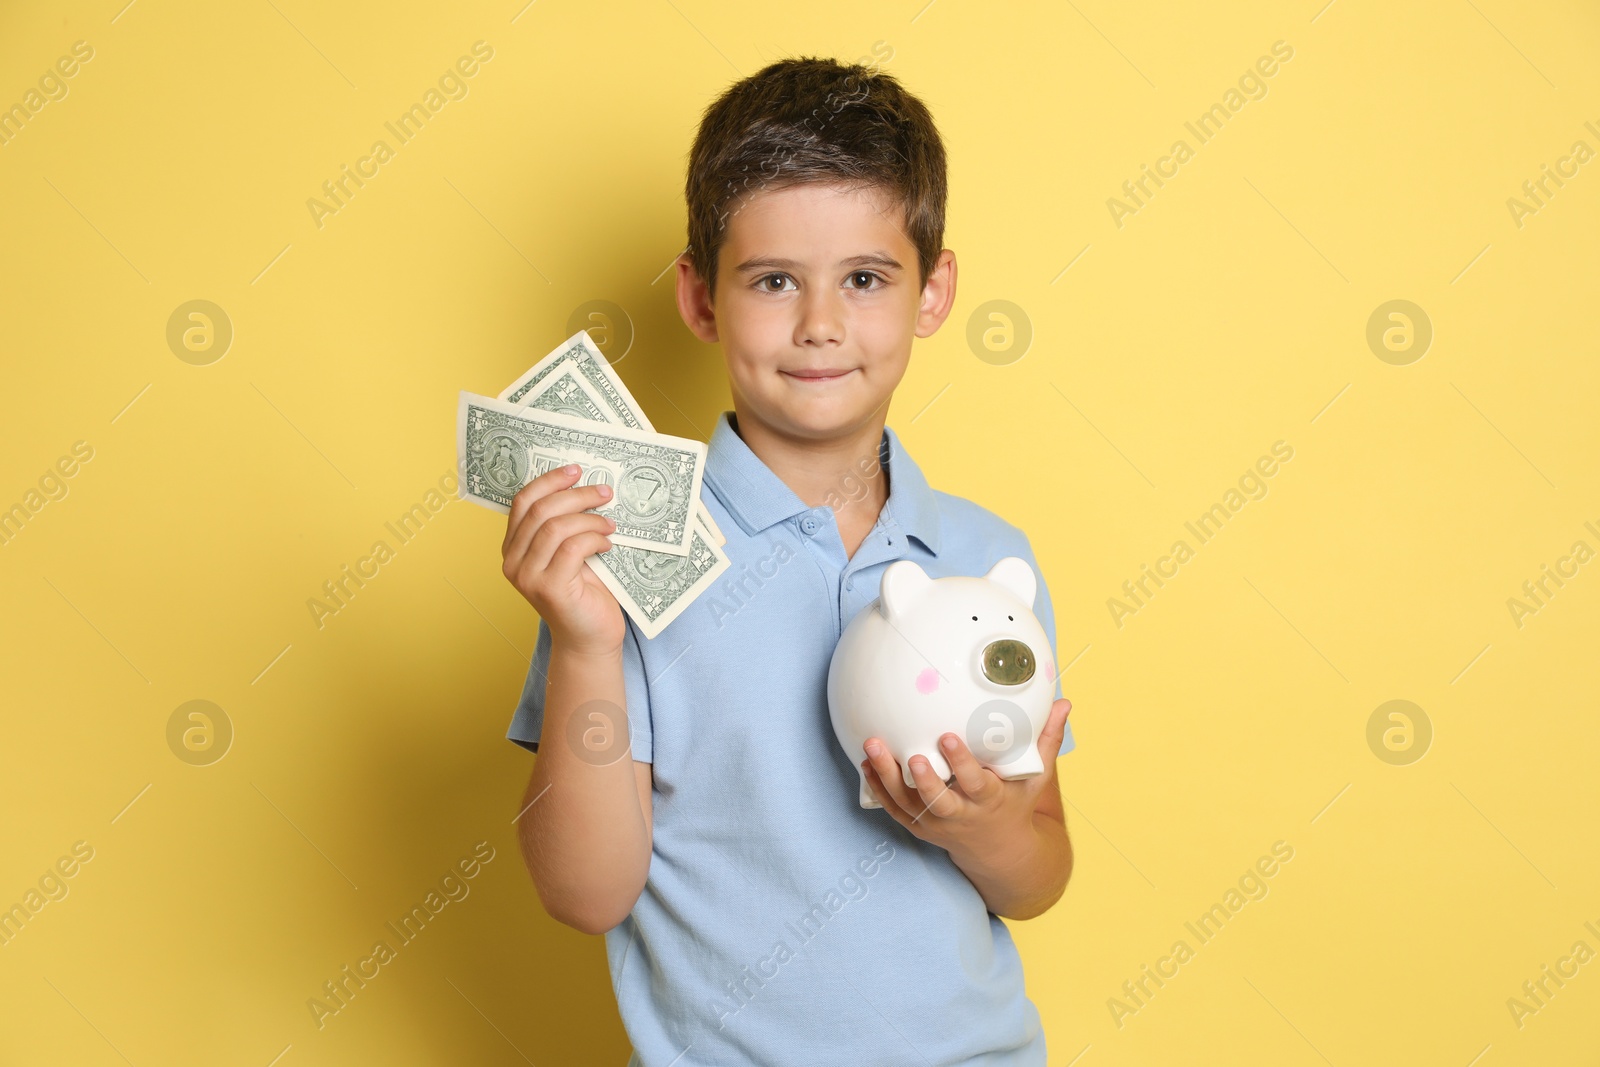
[
  {"x": 528, "y": 719},
  {"x": 1047, "y": 618}
]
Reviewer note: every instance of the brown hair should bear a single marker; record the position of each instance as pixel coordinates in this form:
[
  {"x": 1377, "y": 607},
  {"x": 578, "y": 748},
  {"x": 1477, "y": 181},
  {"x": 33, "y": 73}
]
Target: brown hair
[{"x": 809, "y": 120}]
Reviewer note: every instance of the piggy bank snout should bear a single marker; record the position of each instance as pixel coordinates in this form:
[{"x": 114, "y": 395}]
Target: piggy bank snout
[{"x": 1008, "y": 662}]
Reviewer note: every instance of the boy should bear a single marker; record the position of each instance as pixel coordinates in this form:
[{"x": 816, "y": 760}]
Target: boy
[{"x": 691, "y": 801}]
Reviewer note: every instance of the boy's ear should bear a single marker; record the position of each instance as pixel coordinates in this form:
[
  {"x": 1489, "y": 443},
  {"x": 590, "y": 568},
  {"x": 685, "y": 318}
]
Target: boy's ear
[
  {"x": 901, "y": 588},
  {"x": 694, "y": 301},
  {"x": 1014, "y": 574},
  {"x": 938, "y": 294}
]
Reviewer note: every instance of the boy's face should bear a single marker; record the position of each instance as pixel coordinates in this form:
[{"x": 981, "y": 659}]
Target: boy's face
[{"x": 817, "y": 303}]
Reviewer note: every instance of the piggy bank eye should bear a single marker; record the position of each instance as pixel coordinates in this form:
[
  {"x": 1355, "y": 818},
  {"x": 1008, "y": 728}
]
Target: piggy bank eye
[{"x": 1007, "y": 662}]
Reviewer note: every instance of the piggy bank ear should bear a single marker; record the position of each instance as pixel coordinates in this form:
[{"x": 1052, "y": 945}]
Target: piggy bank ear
[
  {"x": 903, "y": 585},
  {"x": 1014, "y": 574}
]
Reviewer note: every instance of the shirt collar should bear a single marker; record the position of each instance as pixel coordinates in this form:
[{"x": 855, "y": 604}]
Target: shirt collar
[{"x": 757, "y": 498}]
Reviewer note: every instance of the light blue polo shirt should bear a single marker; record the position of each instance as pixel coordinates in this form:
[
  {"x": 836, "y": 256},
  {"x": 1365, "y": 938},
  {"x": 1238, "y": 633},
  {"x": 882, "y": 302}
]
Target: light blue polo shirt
[{"x": 782, "y": 923}]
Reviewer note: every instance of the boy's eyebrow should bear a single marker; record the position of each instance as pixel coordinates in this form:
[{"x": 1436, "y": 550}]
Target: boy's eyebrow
[{"x": 870, "y": 259}]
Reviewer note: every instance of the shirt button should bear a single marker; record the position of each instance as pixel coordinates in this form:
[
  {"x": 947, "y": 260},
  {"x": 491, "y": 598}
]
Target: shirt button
[{"x": 809, "y": 525}]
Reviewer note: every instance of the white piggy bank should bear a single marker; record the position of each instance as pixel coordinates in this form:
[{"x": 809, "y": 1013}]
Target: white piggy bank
[{"x": 930, "y": 656}]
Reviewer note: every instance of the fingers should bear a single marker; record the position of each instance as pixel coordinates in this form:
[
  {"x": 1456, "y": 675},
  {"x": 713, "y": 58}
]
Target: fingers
[
  {"x": 1055, "y": 730},
  {"x": 929, "y": 791},
  {"x": 552, "y": 531},
  {"x": 881, "y": 795},
  {"x": 540, "y": 510},
  {"x": 976, "y": 781},
  {"x": 553, "y": 534},
  {"x": 937, "y": 797},
  {"x": 564, "y": 564},
  {"x": 549, "y": 482},
  {"x": 889, "y": 777}
]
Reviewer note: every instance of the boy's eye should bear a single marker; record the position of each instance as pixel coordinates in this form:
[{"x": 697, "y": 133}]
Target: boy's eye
[{"x": 861, "y": 280}]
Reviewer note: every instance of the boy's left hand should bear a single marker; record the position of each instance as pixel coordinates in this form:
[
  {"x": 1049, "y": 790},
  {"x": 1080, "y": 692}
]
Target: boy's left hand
[{"x": 977, "y": 808}]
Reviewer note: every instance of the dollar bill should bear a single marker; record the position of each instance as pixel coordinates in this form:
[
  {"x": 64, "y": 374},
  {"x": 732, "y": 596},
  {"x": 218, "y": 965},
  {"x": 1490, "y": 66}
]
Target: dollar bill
[
  {"x": 567, "y": 393},
  {"x": 579, "y": 356},
  {"x": 655, "y": 478},
  {"x": 577, "y": 366},
  {"x": 653, "y": 587}
]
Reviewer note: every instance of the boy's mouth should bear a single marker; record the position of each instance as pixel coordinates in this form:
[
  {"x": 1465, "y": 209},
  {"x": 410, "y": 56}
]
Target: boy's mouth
[{"x": 819, "y": 374}]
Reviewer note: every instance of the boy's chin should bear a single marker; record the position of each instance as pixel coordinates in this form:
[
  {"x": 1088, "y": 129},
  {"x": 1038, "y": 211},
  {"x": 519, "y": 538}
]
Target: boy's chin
[{"x": 821, "y": 419}]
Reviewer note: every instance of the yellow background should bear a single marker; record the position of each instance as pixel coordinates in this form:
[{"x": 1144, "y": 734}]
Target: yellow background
[{"x": 1229, "y": 313}]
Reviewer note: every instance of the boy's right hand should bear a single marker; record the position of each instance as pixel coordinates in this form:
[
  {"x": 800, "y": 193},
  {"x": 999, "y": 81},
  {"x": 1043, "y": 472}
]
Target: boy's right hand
[{"x": 549, "y": 534}]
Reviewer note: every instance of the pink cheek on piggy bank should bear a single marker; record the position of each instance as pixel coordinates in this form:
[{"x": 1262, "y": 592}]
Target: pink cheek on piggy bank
[
  {"x": 1049, "y": 672},
  {"x": 927, "y": 681}
]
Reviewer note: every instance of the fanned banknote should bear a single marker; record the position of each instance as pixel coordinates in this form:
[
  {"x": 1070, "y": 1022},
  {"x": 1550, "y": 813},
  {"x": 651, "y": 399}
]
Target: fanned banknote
[
  {"x": 565, "y": 392},
  {"x": 579, "y": 356},
  {"x": 653, "y": 587},
  {"x": 655, "y": 478},
  {"x": 575, "y": 378},
  {"x": 571, "y": 384}
]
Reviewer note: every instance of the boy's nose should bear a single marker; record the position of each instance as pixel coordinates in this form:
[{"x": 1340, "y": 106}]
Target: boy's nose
[
  {"x": 1007, "y": 662},
  {"x": 821, "y": 320}
]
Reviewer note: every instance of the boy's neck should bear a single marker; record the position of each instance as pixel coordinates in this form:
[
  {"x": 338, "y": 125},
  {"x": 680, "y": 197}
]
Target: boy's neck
[{"x": 831, "y": 472}]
